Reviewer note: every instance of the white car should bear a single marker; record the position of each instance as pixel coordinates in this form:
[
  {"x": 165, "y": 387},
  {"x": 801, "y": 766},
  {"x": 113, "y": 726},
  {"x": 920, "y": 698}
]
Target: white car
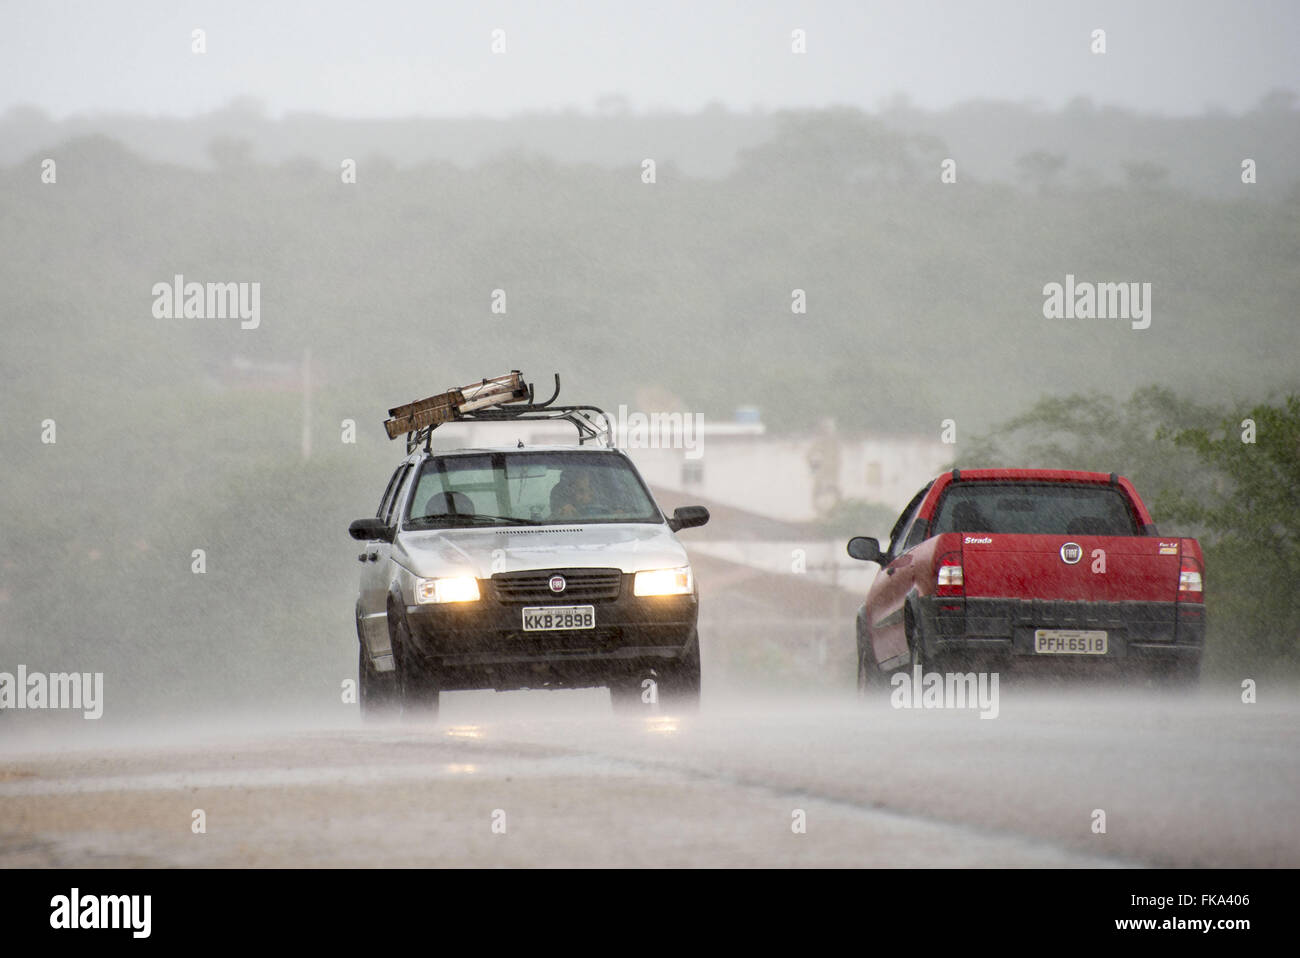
[{"x": 513, "y": 567}]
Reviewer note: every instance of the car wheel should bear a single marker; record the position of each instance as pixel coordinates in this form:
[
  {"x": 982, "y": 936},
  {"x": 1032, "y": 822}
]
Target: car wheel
[
  {"x": 417, "y": 686},
  {"x": 376, "y": 691},
  {"x": 919, "y": 658},
  {"x": 679, "y": 682},
  {"x": 870, "y": 677},
  {"x": 677, "y": 685},
  {"x": 625, "y": 695},
  {"x": 1184, "y": 674}
]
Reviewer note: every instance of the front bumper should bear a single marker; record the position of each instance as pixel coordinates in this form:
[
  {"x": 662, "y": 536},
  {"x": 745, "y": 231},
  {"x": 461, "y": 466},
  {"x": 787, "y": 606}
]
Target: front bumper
[
  {"x": 484, "y": 644},
  {"x": 997, "y": 628}
]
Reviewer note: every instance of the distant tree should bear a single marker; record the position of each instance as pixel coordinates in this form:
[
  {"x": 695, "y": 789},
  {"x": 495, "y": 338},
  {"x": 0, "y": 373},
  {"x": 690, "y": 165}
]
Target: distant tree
[
  {"x": 1097, "y": 432},
  {"x": 230, "y": 153},
  {"x": 1252, "y": 514},
  {"x": 897, "y": 104},
  {"x": 1277, "y": 100},
  {"x": 1040, "y": 168},
  {"x": 26, "y": 115},
  {"x": 838, "y": 146},
  {"x": 1144, "y": 175},
  {"x": 613, "y": 104},
  {"x": 243, "y": 108}
]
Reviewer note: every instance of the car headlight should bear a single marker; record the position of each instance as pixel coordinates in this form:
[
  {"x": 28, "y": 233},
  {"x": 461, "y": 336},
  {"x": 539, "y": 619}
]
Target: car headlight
[
  {"x": 664, "y": 582},
  {"x": 462, "y": 588}
]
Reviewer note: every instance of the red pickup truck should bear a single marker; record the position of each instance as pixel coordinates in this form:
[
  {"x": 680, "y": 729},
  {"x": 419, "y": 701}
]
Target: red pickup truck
[{"x": 990, "y": 569}]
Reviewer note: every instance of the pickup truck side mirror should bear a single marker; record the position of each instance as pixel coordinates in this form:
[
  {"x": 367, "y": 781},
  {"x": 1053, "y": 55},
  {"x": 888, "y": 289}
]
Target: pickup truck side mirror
[
  {"x": 866, "y": 548},
  {"x": 368, "y": 529},
  {"x": 686, "y": 517}
]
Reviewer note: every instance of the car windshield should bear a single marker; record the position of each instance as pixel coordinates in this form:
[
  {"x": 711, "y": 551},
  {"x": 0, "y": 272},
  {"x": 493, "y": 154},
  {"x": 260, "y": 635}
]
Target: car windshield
[
  {"x": 530, "y": 488},
  {"x": 1035, "y": 508}
]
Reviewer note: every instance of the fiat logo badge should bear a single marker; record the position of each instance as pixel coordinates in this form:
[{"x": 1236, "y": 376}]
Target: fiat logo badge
[
  {"x": 558, "y": 584},
  {"x": 1071, "y": 553}
]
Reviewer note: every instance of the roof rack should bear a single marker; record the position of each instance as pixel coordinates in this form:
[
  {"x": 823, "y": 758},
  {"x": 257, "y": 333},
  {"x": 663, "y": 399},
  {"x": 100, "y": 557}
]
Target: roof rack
[{"x": 503, "y": 399}]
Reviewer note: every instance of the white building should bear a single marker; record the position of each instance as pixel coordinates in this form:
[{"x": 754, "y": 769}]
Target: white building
[{"x": 778, "y": 476}]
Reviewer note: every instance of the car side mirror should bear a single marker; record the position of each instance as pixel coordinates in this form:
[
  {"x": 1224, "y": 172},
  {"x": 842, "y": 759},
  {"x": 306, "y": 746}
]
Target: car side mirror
[
  {"x": 368, "y": 529},
  {"x": 866, "y": 548},
  {"x": 686, "y": 517}
]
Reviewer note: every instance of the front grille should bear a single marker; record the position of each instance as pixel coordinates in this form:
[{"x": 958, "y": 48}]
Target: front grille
[{"x": 581, "y": 585}]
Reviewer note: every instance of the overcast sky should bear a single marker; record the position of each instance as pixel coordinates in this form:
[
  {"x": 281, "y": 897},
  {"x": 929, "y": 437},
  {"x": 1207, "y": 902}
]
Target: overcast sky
[{"x": 433, "y": 58}]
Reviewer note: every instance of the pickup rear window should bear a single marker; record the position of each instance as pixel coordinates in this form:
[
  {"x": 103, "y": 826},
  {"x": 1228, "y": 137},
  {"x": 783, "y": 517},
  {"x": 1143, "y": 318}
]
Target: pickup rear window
[{"x": 1046, "y": 508}]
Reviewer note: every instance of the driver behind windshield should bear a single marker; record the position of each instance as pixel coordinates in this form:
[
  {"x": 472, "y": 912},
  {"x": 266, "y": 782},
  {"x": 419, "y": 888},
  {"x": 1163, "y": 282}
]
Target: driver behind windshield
[{"x": 575, "y": 497}]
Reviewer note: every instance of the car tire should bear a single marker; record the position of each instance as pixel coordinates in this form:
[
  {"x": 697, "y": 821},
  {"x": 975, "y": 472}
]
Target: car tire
[
  {"x": 376, "y": 691},
  {"x": 678, "y": 685},
  {"x": 1183, "y": 675},
  {"x": 941, "y": 662},
  {"x": 679, "y": 682},
  {"x": 919, "y": 658},
  {"x": 417, "y": 685},
  {"x": 870, "y": 677},
  {"x": 625, "y": 695}
]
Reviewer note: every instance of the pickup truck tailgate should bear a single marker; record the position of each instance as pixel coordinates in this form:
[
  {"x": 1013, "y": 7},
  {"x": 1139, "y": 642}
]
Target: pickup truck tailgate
[{"x": 1141, "y": 569}]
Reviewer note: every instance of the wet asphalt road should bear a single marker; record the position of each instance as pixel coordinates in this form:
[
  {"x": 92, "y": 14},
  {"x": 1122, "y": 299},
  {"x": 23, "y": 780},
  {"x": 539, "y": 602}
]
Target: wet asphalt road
[{"x": 553, "y": 778}]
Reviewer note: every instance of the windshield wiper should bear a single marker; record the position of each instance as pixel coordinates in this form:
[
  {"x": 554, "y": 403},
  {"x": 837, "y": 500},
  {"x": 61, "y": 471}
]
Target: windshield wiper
[{"x": 478, "y": 517}]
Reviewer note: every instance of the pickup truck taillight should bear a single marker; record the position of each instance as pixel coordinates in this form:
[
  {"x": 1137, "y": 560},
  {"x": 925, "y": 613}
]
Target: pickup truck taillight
[
  {"x": 949, "y": 580},
  {"x": 1191, "y": 587}
]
